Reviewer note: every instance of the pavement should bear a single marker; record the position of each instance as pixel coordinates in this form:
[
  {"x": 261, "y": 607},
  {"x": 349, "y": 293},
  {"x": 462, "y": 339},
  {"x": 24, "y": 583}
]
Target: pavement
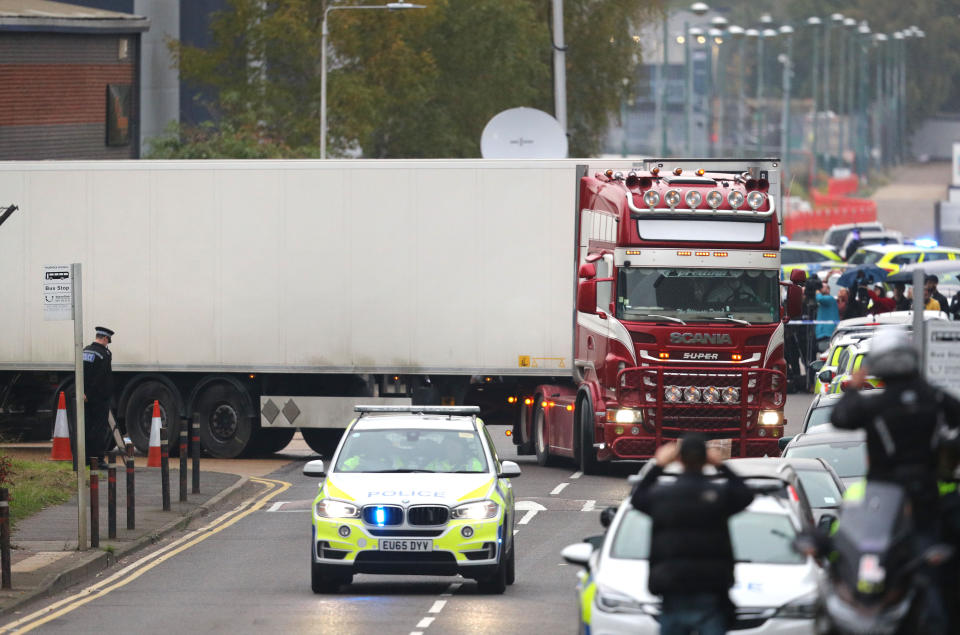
[
  {"x": 907, "y": 202},
  {"x": 44, "y": 554}
]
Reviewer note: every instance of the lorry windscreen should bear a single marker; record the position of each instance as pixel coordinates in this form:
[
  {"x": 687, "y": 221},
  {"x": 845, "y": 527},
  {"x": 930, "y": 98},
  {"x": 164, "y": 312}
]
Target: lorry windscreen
[{"x": 698, "y": 295}]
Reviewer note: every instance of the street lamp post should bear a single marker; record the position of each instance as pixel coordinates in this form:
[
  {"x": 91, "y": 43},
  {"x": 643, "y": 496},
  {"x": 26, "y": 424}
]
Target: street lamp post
[
  {"x": 880, "y": 39},
  {"x": 787, "y": 31},
  {"x": 698, "y": 9},
  {"x": 862, "y": 129},
  {"x": 761, "y": 105},
  {"x": 715, "y": 127},
  {"x": 662, "y": 85},
  {"x": 814, "y": 22},
  {"x": 324, "y": 33},
  {"x": 752, "y": 34},
  {"x": 737, "y": 33},
  {"x": 846, "y": 82},
  {"x": 835, "y": 18}
]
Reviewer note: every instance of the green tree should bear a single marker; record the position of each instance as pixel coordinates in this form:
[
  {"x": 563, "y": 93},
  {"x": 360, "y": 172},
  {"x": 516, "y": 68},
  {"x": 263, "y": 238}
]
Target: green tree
[{"x": 419, "y": 83}]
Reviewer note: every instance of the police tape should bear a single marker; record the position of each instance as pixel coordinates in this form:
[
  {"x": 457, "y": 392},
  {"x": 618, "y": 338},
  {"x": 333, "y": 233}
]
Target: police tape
[{"x": 801, "y": 322}]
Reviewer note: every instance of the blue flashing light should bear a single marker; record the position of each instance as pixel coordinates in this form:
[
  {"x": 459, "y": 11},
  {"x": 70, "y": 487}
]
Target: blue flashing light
[
  {"x": 784, "y": 240},
  {"x": 926, "y": 243},
  {"x": 380, "y": 516}
]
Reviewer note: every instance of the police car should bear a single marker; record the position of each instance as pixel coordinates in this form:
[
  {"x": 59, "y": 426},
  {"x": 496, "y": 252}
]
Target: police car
[{"x": 414, "y": 490}]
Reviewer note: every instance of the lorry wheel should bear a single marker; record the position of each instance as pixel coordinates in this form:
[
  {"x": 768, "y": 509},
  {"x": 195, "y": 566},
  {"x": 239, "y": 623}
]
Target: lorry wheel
[
  {"x": 540, "y": 434},
  {"x": 585, "y": 438},
  {"x": 271, "y": 440},
  {"x": 226, "y": 425},
  {"x": 323, "y": 441},
  {"x": 138, "y": 415},
  {"x": 524, "y": 434}
]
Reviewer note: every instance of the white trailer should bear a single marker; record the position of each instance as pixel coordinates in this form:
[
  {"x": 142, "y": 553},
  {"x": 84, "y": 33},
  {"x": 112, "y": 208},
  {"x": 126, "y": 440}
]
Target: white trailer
[{"x": 269, "y": 295}]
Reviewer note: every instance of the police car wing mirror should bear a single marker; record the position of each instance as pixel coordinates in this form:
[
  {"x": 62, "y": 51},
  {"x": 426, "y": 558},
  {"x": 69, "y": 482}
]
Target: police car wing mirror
[
  {"x": 826, "y": 521},
  {"x": 606, "y": 516},
  {"x": 794, "y": 302},
  {"x": 782, "y": 443},
  {"x": 578, "y": 553},
  {"x": 315, "y": 468},
  {"x": 816, "y": 365},
  {"x": 825, "y": 376},
  {"x": 509, "y": 469},
  {"x": 587, "y": 296}
]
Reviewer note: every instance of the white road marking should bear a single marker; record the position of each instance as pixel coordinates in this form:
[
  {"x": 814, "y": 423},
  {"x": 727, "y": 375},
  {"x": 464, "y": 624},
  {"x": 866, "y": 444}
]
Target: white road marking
[
  {"x": 275, "y": 506},
  {"x": 531, "y": 507},
  {"x": 576, "y": 475},
  {"x": 425, "y": 622},
  {"x": 588, "y": 506},
  {"x": 516, "y": 531},
  {"x": 437, "y": 606},
  {"x": 416, "y": 632},
  {"x": 558, "y": 489},
  {"x": 451, "y": 589}
]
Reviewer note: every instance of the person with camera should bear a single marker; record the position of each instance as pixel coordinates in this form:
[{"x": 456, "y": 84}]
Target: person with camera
[{"x": 691, "y": 557}]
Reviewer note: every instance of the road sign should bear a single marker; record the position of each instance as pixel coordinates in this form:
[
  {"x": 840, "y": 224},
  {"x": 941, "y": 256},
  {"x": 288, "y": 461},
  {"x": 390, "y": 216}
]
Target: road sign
[
  {"x": 57, "y": 292},
  {"x": 942, "y": 355}
]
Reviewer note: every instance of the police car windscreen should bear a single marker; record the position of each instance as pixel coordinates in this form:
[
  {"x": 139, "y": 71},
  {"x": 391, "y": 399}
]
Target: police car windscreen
[
  {"x": 412, "y": 450},
  {"x": 698, "y": 294},
  {"x": 756, "y": 537},
  {"x": 865, "y": 257}
]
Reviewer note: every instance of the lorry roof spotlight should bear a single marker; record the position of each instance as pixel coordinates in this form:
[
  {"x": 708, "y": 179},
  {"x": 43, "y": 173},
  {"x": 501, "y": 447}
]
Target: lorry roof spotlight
[
  {"x": 655, "y": 171},
  {"x": 735, "y": 198},
  {"x": 693, "y": 199},
  {"x": 714, "y": 199},
  {"x": 609, "y": 173},
  {"x": 701, "y": 172}
]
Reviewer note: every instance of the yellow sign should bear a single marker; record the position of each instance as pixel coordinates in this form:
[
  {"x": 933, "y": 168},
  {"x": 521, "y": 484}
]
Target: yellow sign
[{"x": 523, "y": 361}]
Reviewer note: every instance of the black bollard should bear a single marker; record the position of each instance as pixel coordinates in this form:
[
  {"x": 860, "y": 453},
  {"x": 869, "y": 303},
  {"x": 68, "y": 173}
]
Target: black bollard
[
  {"x": 164, "y": 468},
  {"x": 5, "y": 538},
  {"x": 94, "y": 504},
  {"x": 112, "y": 496},
  {"x": 195, "y": 447},
  {"x": 131, "y": 521},
  {"x": 183, "y": 459}
]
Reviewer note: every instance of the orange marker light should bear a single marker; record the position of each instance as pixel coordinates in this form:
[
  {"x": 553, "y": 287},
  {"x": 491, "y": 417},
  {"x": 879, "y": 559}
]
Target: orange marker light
[
  {"x": 511, "y": 400},
  {"x": 655, "y": 171},
  {"x": 544, "y": 404},
  {"x": 609, "y": 173},
  {"x": 720, "y": 254},
  {"x": 684, "y": 253},
  {"x": 700, "y": 172},
  {"x": 736, "y": 357},
  {"x": 633, "y": 252},
  {"x": 703, "y": 253},
  {"x": 678, "y": 171},
  {"x": 664, "y": 355},
  {"x": 569, "y": 408},
  {"x": 769, "y": 255},
  {"x": 551, "y": 403},
  {"x": 508, "y": 432},
  {"x": 528, "y": 401},
  {"x": 252, "y": 375}
]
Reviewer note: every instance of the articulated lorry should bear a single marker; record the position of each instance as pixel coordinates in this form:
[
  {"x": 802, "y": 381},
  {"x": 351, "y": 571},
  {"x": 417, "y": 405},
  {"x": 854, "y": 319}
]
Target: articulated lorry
[{"x": 262, "y": 297}]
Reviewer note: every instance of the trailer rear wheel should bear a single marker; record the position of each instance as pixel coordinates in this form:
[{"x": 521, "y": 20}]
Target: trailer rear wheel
[
  {"x": 323, "y": 441},
  {"x": 138, "y": 414},
  {"x": 226, "y": 424},
  {"x": 271, "y": 440}
]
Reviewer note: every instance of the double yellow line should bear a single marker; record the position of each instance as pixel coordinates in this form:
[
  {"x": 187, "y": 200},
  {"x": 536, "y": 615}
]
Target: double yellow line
[{"x": 134, "y": 570}]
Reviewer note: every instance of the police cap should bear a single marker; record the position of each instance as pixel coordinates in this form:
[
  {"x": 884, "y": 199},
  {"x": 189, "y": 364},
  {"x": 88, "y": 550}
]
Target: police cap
[{"x": 103, "y": 331}]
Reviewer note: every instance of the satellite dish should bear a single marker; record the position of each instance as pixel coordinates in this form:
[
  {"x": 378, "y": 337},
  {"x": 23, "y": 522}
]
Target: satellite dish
[{"x": 523, "y": 133}]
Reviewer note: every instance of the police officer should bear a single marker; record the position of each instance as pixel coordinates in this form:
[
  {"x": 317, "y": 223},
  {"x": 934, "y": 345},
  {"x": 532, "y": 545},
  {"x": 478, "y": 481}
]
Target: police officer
[
  {"x": 903, "y": 425},
  {"x": 98, "y": 390}
]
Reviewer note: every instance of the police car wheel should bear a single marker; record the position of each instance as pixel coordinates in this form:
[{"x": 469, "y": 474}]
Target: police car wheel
[
  {"x": 321, "y": 580},
  {"x": 496, "y": 584},
  {"x": 511, "y": 566}
]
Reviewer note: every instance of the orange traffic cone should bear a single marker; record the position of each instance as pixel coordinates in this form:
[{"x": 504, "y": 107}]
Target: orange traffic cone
[
  {"x": 61, "y": 434},
  {"x": 153, "y": 456}
]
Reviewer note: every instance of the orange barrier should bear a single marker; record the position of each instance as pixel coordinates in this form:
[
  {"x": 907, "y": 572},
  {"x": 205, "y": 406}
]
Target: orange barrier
[{"x": 832, "y": 208}]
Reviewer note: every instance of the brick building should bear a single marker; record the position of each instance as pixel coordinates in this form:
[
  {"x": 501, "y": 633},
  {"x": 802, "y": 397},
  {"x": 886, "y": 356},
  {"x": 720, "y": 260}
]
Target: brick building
[{"x": 69, "y": 81}]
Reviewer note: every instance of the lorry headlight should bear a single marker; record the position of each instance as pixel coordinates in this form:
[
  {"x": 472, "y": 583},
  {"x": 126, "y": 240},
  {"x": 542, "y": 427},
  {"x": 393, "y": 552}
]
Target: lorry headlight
[
  {"x": 651, "y": 198},
  {"x": 480, "y": 510},
  {"x": 735, "y": 199},
  {"x": 756, "y": 199},
  {"x": 711, "y": 394},
  {"x": 731, "y": 394},
  {"x": 328, "y": 508},
  {"x": 714, "y": 199},
  {"x": 770, "y": 418},
  {"x": 673, "y": 394},
  {"x": 627, "y": 415},
  {"x": 692, "y": 199},
  {"x": 672, "y": 198}
]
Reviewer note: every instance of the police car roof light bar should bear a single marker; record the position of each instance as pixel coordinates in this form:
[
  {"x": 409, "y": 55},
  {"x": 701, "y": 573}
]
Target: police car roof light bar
[{"x": 427, "y": 410}]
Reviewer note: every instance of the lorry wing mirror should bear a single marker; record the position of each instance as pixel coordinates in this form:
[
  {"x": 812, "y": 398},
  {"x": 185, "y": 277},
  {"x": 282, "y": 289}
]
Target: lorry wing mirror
[
  {"x": 794, "y": 301},
  {"x": 587, "y": 296},
  {"x": 587, "y": 271},
  {"x": 798, "y": 276}
]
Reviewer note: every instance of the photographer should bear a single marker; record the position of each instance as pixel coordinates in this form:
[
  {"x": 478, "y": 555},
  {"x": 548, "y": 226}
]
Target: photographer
[{"x": 808, "y": 335}]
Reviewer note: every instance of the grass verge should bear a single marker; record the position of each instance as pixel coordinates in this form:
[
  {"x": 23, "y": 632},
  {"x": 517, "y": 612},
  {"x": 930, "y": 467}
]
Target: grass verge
[{"x": 38, "y": 484}]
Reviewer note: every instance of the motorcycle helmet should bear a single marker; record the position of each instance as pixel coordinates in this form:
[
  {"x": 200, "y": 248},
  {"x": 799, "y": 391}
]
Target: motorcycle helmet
[{"x": 893, "y": 355}]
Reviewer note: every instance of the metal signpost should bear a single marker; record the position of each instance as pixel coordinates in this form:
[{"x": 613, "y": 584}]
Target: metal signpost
[
  {"x": 62, "y": 300},
  {"x": 941, "y": 361}
]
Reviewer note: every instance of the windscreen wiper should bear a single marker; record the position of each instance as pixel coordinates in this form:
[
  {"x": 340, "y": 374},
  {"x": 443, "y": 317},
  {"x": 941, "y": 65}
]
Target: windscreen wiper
[
  {"x": 733, "y": 319},
  {"x": 664, "y": 317}
]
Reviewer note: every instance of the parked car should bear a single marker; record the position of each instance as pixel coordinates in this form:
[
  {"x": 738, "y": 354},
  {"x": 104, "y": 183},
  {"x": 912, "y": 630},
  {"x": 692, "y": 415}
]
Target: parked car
[
  {"x": 775, "y": 588},
  {"x": 892, "y": 257},
  {"x": 837, "y": 234},
  {"x": 861, "y": 238},
  {"x": 808, "y": 257},
  {"x": 844, "y": 450},
  {"x": 822, "y": 489},
  {"x": 851, "y": 359}
]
